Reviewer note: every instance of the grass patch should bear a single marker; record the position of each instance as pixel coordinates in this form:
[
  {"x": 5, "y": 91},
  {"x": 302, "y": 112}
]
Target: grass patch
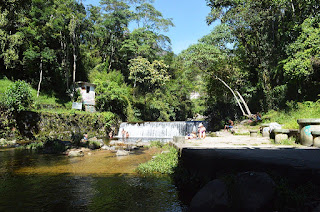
[
  {"x": 244, "y": 133},
  {"x": 295, "y": 110},
  {"x": 289, "y": 142},
  {"x": 4, "y": 84},
  {"x": 162, "y": 163}
]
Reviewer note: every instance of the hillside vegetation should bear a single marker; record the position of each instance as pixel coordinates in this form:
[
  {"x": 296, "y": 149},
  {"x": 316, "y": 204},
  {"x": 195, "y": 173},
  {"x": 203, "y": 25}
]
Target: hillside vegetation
[
  {"x": 288, "y": 118},
  {"x": 40, "y": 103}
]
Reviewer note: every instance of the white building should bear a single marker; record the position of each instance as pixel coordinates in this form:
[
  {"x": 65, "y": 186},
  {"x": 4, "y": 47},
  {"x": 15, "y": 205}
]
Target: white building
[
  {"x": 87, "y": 96},
  {"x": 194, "y": 95}
]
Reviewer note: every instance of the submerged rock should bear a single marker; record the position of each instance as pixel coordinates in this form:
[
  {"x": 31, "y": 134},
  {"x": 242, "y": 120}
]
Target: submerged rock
[
  {"x": 122, "y": 153},
  {"x": 75, "y": 153}
]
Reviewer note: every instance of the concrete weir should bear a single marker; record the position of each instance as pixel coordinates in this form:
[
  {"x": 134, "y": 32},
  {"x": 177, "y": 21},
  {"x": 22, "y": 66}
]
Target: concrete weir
[{"x": 228, "y": 153}]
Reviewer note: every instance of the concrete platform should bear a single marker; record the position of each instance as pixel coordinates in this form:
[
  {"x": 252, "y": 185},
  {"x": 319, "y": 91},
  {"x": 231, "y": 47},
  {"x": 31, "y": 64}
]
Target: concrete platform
[{"x": 214, "y": 154}]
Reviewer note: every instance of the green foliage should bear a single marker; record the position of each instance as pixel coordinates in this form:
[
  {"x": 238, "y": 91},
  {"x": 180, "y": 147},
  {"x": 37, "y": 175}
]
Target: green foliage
[
  {"x": 163, "y": 163},
  {"x": 93, "y": 144},
  {"x": 291, "y": 142},
  {"x": 53, "y": 43},
  {"x": 157, "y": 144},
  {"x": 303, "y": 64},
  {"x": 17, "y": 97},
  {"x": 32, "y": 146},
  {"x": 48, "y": 146},
  {"x": 295, "y": 111},
  {"x": 5, "y": 83},
  {"x": 111, "y": 93}
]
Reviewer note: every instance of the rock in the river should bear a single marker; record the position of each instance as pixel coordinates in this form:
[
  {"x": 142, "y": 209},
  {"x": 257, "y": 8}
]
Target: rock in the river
[
  {"x": 122, "y": 153},
  {"x": 76, "y": 153},
  {"x": 142, "y": 144},
  {"x": 253, "y": 191},
  {"x": 112, "y": 143},
  {"x": 212, "y": 197},
  {"x": 139, "y": 144},
  {"x": 105, "y": 147},
  {"x": 120, "y": 143}
]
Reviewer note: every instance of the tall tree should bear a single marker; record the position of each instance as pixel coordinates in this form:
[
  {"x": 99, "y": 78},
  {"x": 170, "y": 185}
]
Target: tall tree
[
  {"x": 39, "y": 37},
  {"x": 263, "y": 30}
]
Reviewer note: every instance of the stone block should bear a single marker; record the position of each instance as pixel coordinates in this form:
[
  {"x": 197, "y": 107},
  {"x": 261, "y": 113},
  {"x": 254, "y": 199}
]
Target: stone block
[
  {"x": 253, "y": 133},
  {"x": 178, "y": 139}
]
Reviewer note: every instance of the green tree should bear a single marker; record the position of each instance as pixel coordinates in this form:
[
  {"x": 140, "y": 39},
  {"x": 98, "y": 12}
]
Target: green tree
[
  {"x": 302, "y": 67},
  {"x": 263, "y": 29},
  {"x": 12, "y": 17},
  {"x": 147, "y": 75}
]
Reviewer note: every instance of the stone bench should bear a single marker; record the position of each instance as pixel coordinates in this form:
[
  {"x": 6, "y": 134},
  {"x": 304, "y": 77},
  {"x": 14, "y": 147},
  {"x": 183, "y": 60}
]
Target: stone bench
[
  {"x": 280, "y": 135},
  {"x": 265, "y": 130},
  {"x": 294, "y": 133},
  {"x": 316, "y": 138},
  {"x": 253, "y": 133},
  {"x": 305, "y": 128}
]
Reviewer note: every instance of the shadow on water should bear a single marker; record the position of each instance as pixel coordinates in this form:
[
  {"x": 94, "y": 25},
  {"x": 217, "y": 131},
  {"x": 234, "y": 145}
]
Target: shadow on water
[{"x": 97, "y": 182}]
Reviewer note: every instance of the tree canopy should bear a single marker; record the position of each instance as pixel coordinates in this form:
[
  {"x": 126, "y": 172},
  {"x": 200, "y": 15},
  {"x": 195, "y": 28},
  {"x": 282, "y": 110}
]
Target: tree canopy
[{"x": 266, "y": 50}]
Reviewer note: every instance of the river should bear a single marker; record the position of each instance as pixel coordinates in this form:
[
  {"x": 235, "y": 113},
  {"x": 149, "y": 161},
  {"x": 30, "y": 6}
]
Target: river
[{"x": 97, "y": 182}]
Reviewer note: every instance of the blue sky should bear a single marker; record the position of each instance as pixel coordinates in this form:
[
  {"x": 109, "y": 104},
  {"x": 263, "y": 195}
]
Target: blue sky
[{"x": 189, "y": 18}]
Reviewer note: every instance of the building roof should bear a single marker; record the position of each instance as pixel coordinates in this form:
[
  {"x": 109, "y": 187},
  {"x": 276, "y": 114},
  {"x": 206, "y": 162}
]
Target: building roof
[{"x": 85, "y": 83}]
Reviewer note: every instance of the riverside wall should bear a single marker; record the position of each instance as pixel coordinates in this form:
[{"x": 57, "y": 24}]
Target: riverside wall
[{"x": 34, "y": 125}]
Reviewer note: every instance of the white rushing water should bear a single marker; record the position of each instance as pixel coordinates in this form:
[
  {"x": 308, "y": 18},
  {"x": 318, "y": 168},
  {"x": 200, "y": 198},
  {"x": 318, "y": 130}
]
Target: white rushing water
[{"x": 159, "y": 129}]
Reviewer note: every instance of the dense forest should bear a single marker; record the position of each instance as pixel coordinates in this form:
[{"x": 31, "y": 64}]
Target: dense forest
[{"x": 268, "y": 50}]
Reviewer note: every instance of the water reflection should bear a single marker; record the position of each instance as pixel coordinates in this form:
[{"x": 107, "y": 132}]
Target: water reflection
[{"x": 97, "y": 182}]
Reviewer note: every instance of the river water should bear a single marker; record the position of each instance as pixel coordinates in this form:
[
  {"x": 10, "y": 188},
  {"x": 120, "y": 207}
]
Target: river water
[{"x": 97, "y": 182}]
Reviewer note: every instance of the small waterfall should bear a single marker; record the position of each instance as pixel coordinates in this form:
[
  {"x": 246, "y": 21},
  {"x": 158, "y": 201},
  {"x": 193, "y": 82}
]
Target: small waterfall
[{"x": 159, "y": 129}]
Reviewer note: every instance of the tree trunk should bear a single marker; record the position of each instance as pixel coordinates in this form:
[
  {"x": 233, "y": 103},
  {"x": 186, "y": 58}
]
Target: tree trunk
[
  {"x": 64, "y": 59},
  {"x": 74, "y": 59},
  {"x": 245, "y": 104},
  {"x": 40, "y": 80},
  {"x": 235, "y": 96},
  {"x": 110, "y": 61}
]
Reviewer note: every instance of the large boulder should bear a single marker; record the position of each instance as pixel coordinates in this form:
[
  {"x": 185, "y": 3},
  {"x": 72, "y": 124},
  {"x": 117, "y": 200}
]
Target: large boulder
[
  {"x": 212, "y": 197},
  {"x": 253, "y": 191}
]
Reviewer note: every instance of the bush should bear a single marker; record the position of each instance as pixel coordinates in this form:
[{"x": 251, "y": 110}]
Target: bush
[
  {"x": 17, "y": 97},
  {"x": 94, "y": 145},
  {"x": 157, "y": 144}
]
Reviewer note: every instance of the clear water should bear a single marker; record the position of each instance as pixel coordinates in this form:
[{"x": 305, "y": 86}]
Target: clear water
[{"x": 97, "y": 182}]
